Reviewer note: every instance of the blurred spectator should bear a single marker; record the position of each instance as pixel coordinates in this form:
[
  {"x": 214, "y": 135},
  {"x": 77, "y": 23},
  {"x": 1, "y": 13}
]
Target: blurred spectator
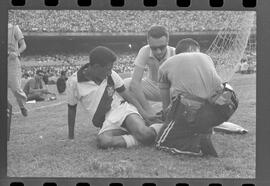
[
  {"x": 61, "y": 82},
  {"x": 244, "y": 66},
  {"x": 46, "y": 77}
]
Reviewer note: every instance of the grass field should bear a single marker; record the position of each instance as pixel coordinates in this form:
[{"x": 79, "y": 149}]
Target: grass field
[{"x": 39, "y": 146}]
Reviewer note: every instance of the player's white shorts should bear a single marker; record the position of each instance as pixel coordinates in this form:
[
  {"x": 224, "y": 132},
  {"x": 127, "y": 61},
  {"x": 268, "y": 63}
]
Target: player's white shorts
[
  {"x": 116, "y": 116},
  {"x": 150, "y": 89}
]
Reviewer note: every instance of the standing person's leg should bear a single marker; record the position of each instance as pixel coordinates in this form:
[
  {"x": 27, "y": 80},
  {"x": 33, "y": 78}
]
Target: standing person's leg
[{"x": 14, "y": 82}]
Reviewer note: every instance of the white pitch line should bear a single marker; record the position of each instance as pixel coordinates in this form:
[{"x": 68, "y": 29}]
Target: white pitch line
[{"x": 42, "y": 107}]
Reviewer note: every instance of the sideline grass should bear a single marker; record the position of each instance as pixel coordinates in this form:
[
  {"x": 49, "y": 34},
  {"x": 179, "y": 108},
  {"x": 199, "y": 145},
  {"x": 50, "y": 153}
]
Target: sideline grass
[{"x": 39, "y": 146}]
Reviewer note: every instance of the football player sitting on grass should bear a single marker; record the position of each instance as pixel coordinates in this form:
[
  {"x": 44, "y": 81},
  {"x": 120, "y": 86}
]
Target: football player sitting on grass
[{"x": 35, "y": 88}]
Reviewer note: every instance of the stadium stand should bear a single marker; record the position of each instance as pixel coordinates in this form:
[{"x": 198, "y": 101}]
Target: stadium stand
[
  {"x": 109, "y": 21},
  {"x": 53, "y": 65},
  {"x": 96, "y": 21}
]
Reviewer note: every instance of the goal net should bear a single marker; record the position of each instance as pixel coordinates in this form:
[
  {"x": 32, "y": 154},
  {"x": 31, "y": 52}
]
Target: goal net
[{"x": 231, "y": 43}]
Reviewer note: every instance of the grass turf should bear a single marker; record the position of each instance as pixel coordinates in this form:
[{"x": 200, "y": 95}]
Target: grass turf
[{"x": 39, "y": 146}]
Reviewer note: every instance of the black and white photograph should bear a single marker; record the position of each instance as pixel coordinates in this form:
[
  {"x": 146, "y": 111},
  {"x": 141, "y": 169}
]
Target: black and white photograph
[{"x": 131, "y": 94}]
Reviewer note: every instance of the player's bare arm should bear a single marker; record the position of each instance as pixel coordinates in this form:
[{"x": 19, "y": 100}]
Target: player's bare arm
[{"x": 136, "y": 88}]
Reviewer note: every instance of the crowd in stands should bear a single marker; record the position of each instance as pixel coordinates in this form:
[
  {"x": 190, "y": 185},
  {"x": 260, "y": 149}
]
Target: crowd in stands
[
  {"x": 55, "y": 59},
  {"x": 54, "y": 64},
  {"x": 50, "y": 70},
  {"x": 123, "y": 21},
  {"x": 108, "y": 21}
]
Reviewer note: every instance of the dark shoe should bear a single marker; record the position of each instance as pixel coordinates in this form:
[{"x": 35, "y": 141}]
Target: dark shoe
[
  {"x": 24, "y": 112},
  {"x": 207, "y": 146}
]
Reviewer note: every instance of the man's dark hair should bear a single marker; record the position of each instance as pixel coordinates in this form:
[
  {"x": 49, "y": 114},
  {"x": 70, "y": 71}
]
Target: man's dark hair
[
  {"x": 102, "y": 56},
  {"x": 157, "y": 31},
  {"x": 186, "y": 45}
]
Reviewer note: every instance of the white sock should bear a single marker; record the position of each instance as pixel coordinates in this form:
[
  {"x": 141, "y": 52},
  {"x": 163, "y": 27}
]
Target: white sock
[
  {"x": 130, "y": 141},
  {"x": 156, "y": 127}
]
